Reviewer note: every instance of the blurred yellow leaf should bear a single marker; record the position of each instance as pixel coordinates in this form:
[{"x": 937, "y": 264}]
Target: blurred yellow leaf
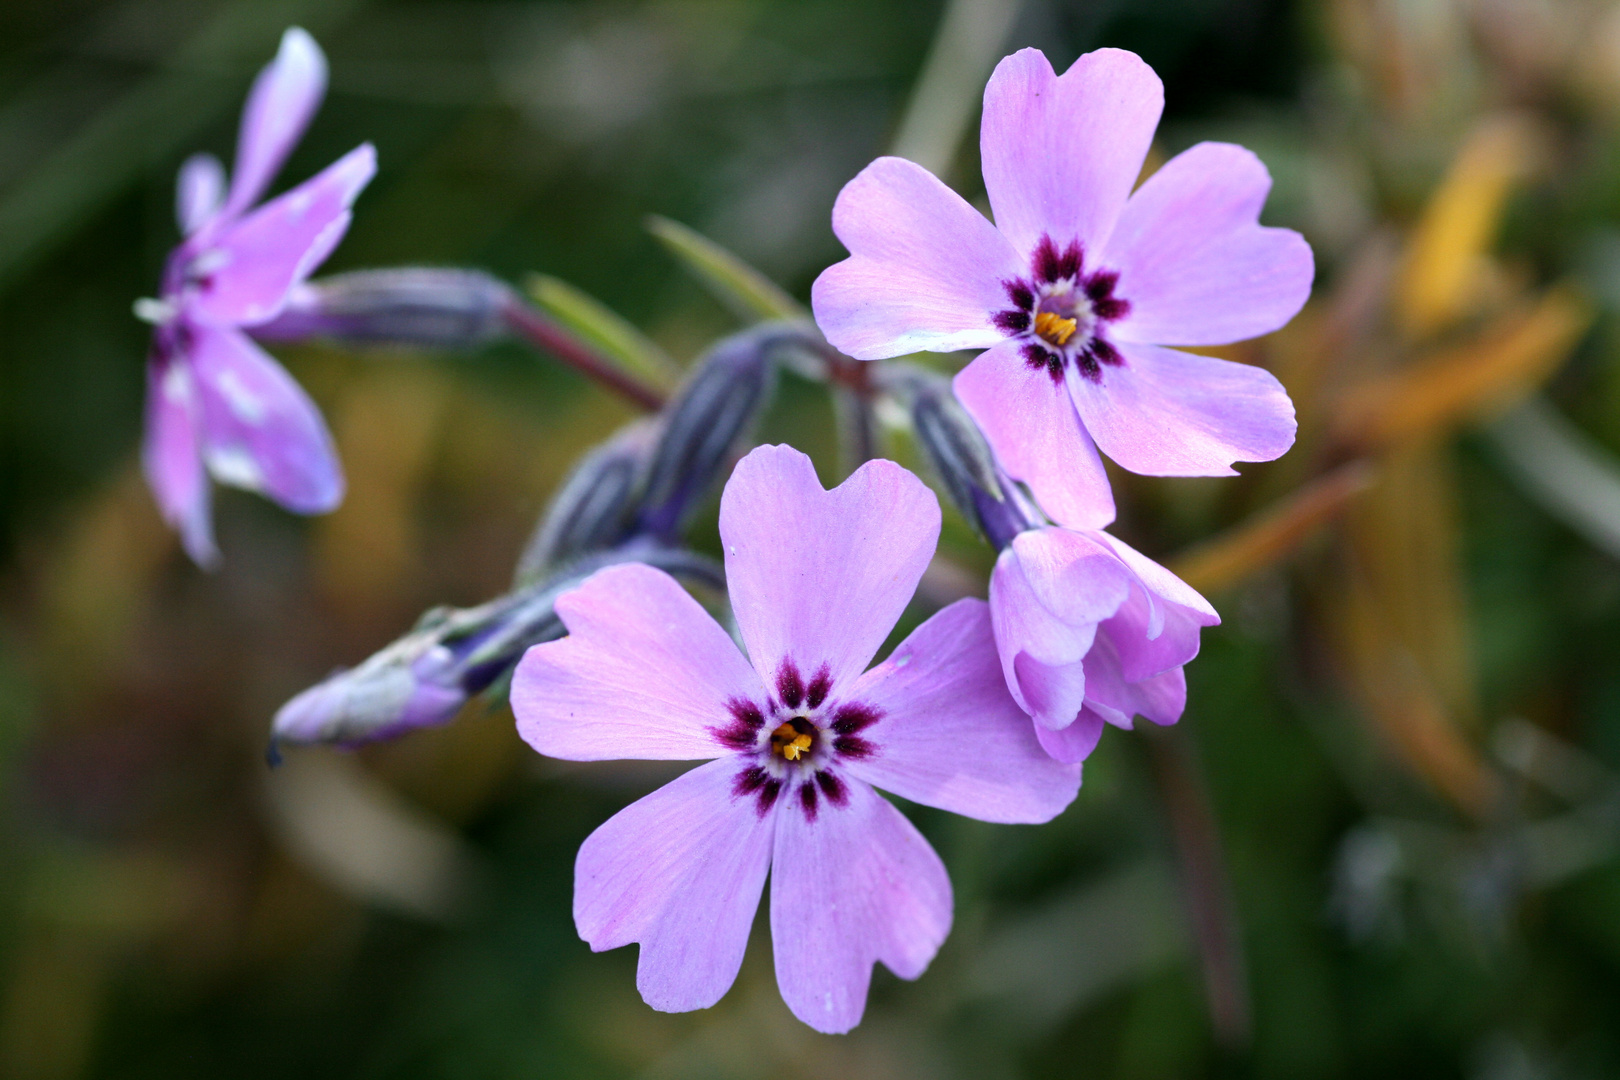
[
  {"x": 1459, "y": 223},
  {"x": 97, "y": 580},
  {"x": 1459, "y": 383},
  {"x": 1404, "y": 707},
  {"x": 1273, "y": 534},
  {"x": 386, "y": 428},
  {"x": 1404, "y": 535}
]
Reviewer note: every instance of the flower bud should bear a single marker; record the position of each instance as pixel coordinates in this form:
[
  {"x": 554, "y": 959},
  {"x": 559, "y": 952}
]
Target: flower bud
[
  {"x": 961, "y": 457},
  {"x": 424, "y": 678},
  {"x": 711, "y": 413},
  {"x": 414, "y": 306},
  {"x": 388, "y": 694},
  {"x": 592, "y": 509}
]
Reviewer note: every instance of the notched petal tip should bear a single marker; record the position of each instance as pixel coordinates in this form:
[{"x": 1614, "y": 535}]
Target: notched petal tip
[
  {"x": 1061, "y": 153},
  {"x": 1172, "y": 413},
  {"x": 822, "y": 576}
]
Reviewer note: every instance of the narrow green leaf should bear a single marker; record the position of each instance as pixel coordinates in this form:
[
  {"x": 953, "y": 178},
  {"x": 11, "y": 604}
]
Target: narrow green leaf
[
  {"x": 603, "y": 328},
  {"x": 746, "y": 291}
]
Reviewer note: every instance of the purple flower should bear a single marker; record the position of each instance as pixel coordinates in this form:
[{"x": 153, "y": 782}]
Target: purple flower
[
  {"x": 1079, "y": 285},
  {"x": 217, "y": 405},
  {"x": 799, "y": 736},
  {"x": 1090, "y": 631}
]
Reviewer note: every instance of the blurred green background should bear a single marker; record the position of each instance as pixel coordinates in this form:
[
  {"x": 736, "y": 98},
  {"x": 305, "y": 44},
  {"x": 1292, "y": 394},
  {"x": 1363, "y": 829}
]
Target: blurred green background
[{"x": 1384, "y": 839}]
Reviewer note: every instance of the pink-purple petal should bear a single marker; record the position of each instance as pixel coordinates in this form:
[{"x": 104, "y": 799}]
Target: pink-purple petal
[
  {"x": 950, "y": 736},
  {"x": 261, "y": 432},
  {"x": 857, "y": 885},
  {"x": 681, "y": 872},
  {"x": 1076, "y": 575},
  {"x": 1061, "y": 154},
  {"x": 172, "y": 458},
  {"x": 1161, "y": 698},
  {"x": 644, "y": 673},
  {"x": 1072, "y": 744},
  {"x": 1161, "y": 581},
  {"x": 1193, "y": 259},
  {"x": 820, "y": 577},
  {"x": 1049, "y": 590},
  {"x": 198, "y": 192},
  {"x": 1170, "y": 413},
  {"x": 925, "y": 270},
  {"x": 1157, "y": 628},
  {"x": 1051, "y": 690},
  {"x": 249, "y": 267},
  {"x": 279, "y": 107},
  {"x": 1031, "y": 423}
]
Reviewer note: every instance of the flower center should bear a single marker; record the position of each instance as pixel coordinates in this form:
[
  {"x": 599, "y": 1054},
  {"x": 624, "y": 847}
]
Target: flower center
[
  {"x": 794, "y": 739},
  {"x": 1053, "y": 328},
  {"x": 1061, "y": 311}
]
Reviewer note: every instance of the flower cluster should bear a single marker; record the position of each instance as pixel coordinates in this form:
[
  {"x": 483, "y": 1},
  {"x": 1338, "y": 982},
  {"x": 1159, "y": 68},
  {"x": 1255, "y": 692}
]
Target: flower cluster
[
  {"x": 1073, "y": 294},
  {"x": 1079, "y": 295}
]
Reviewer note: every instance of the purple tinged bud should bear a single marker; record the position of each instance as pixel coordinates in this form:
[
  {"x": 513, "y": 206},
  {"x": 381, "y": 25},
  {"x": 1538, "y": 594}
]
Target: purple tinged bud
[
  {"x": 383, "y": 697},
  {"x": 425, "y": 677},
  {"x": 591, "y": 511},
  {"x": 710, "y": 415},
  {"x": 961, "y": 457},
  {"x": 425, "y": 307}
]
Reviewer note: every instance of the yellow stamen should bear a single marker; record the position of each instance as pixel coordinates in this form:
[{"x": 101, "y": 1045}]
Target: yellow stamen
[
  {"x": 1053, "y": 329},
  {"x": 791, "y": 740}
]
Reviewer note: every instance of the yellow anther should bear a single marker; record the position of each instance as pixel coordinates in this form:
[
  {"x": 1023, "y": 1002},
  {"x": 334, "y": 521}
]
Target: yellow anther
[
  {"x": 794, "y": 739},
  {"x": 1053, "y": 329}
]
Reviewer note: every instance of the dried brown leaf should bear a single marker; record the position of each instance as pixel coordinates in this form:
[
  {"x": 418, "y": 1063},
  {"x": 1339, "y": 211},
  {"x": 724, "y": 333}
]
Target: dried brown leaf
[
  {"x": 1405, "y": 709},
  {"x": 1512, "y": 356},
  {"x": 1273, "y": 534}
]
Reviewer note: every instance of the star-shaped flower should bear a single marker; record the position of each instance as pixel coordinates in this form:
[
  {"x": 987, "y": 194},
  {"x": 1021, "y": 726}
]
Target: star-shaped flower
[
  {"x": 218, "y": 405},
  {"x": 1079, "y": 286},
  {"x": 799, "y": 734}
]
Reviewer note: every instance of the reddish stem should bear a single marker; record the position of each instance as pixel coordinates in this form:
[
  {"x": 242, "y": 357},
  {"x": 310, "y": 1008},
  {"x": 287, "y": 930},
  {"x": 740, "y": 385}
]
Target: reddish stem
[
  {"x": 541, "y": 332},
  {"x": 1205, "y": 886}
]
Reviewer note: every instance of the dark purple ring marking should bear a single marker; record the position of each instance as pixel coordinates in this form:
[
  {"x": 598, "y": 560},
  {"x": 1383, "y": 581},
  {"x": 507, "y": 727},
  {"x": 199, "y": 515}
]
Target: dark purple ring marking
[
  {"x": 801, "y": 749},
  {"x": 1040, "y": 295}
]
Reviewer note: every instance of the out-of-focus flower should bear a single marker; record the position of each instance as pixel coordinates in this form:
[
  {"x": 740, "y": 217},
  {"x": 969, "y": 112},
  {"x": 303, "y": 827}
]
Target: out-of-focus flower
[
  {"x": 1091, "y": 631},
  {"x": 799, "y": 736},
  {"x": 217, "y": 405},
  {"x": 1079, "y": 285}
]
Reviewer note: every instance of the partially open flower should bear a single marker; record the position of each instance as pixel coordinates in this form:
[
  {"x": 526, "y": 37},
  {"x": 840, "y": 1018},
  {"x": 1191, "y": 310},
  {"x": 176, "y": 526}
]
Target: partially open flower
[{"x": 1090, "y": 631}]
